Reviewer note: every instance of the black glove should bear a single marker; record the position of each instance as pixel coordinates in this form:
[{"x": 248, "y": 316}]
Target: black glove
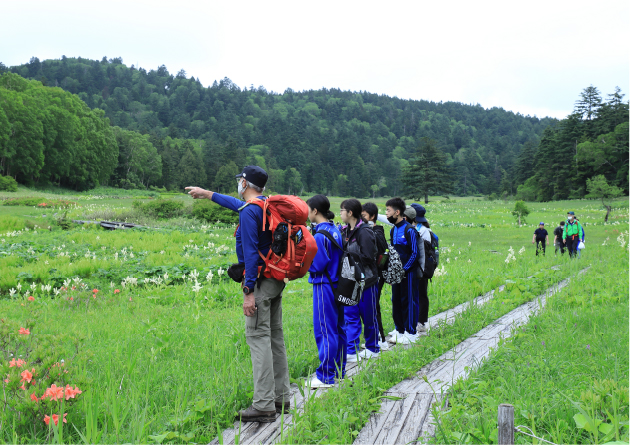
[{"x": 236, "y": 272}]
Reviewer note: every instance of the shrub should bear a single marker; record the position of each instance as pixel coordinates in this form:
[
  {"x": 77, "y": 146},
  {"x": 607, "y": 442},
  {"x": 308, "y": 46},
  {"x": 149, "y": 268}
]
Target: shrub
[
  {"x": 161, "y": 208},
  {"x": 8, "y": 184},
  {"x": 43, "y": 203},
  {"x": 207, "y": 210}
]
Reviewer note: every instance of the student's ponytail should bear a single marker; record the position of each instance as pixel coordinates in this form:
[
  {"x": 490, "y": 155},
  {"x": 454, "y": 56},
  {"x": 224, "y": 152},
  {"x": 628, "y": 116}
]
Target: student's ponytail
[{"x": 322, "y": 205}]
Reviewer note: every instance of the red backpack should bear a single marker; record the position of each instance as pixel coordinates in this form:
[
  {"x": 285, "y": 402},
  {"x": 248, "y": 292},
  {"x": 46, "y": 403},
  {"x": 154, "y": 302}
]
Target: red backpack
[{"x": 293, "y": 248}]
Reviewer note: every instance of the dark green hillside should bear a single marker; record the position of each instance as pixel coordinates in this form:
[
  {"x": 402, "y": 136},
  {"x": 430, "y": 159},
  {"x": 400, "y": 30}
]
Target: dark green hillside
[{"x": 326, "y": 140}]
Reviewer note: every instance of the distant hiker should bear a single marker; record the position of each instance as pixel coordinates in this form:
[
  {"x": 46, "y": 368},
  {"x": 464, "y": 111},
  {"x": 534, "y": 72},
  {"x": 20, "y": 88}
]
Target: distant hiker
[
  {"x": 328, "y": 315},
  {"x": 541, "y": 238},
  {"x": 359, "y": 238},
  {"x": 571, "y": 233},
  {"x": 423, "y": 228},
  {"x": 262, "y": 299},
  {"x": 405, "y": 295},
  {"x": 557, "y": 238},
  {"x": 370, "y": 214}
]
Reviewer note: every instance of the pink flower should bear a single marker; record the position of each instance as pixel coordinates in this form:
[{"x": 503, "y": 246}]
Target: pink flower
[
  {"x": 31, "y": 298},
  {"x": 54, "y": 392},
  {"x": 117, "y": 291},
  {"x": 95, "y": 291},
  {"x": 55, "y": 418},
  {"x": 34, "y": 398},
  {"x": 27, "y": 375},
  {"x": 24, "y": 331}
]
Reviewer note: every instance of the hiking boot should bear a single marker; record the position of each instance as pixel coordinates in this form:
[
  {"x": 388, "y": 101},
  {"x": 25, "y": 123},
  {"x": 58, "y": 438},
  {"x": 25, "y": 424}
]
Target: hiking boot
[
  {"x": 287, "y": 406},
  {"x": 251, "y": 414}
]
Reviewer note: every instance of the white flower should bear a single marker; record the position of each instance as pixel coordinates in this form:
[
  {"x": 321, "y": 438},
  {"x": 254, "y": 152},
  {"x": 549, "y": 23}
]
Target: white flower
[
  {"x": 197, "y": 287},
  {"x": 98, "y": 237},
  {"x": 56, "y": 291},
  {"x": 220, "y": 271},
  {"x": 33, "y": 286},
  {"x": 209, "y": 276},
  {"x": 469, "y": 243},
  {"x": 161, "y": 252},
  {"x": 77, "y": 280},
  {"x": 66, "y": 282},
  {"x": 522, "y": 251},
  {"x": 194, "y": 274},
  {"x": 111, "y": 284},
  {"x": 165, "y": 276},
  {"x": 469, "y": 260},
  {"x": 11, "y": 292},
  {"x": 19, "y": 286}
]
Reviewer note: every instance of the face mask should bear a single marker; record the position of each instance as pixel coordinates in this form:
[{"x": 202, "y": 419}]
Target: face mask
[
  {"x": 570, "y": 218},
  {"x": 392, "y": 219},
  {"x": 241, "y": 189}
]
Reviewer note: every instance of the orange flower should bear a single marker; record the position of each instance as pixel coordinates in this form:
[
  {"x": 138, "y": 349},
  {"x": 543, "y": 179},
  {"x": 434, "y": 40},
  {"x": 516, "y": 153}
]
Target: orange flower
[
  {"x": 7, "y": 379},
  {"x": 34, "y": 398},
  {"x": 55, "y": 418},
  {"x": 95, "y": 291},
  {"x": 24, "y": 331},
  {"x": 27, "y": 376},
  {"x": 71, "y": 299},
  {"x": 12, "y": 363},
  {"x": 54, "y": 392},
  {"x": 31, "y": 298},
  {"x": 117, "y": 291},
  {"x": 70, "y": 393},
  {"x": 22, "y": 387}
]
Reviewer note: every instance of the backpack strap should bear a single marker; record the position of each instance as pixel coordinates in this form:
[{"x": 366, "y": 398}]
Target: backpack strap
[{"x": 332, "y": 239}]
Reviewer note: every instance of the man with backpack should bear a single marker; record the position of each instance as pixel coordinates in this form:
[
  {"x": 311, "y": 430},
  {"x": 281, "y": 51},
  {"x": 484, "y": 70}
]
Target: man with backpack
[
  {"x": 262, "y": 297},
  {"x": 405, "y": 295},
  {"x": 541, "y": 238},
  {"x": 571, "y": 234},
  {"x": 557, "y": 238}
]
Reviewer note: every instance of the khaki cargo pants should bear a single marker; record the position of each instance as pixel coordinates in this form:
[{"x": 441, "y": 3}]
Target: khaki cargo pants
[{"x": 266, "y": 345}]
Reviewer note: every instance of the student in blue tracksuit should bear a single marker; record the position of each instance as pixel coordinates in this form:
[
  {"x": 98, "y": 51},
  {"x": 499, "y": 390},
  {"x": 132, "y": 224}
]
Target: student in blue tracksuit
[
  {"x": 405, "y": 295},
  {"x": 328, "y": 316},
  {"x": 359, "y": 238}
]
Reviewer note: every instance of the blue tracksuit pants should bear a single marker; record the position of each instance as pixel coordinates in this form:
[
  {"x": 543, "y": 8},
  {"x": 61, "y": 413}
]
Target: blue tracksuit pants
[
  {"x": 406, "y": 303},
  {"x": 366, "y": 311},
  {"x": 330, "y": 334}
]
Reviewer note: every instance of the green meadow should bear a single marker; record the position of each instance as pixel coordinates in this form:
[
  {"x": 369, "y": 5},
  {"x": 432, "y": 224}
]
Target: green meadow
[{"x": 146, "y": 324}]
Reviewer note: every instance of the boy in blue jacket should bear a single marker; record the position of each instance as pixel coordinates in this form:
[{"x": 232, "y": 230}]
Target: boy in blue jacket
[
  {"x": 328, "y": 315},
  {"x": 405, "y": 295}
]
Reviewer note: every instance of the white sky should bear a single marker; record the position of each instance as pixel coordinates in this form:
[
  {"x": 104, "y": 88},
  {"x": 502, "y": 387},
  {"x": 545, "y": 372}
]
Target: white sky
[{"x": 532, "y": 57}]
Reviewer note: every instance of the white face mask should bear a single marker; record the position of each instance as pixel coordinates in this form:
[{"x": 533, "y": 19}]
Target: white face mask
[{"x": 241, "y": 189}]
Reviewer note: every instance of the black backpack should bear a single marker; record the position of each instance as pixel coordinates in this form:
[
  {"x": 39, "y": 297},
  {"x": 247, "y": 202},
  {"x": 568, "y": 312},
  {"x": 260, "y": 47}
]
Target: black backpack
[
  {"x": 351, "y": 275},
  {"x": 431, "y": 255},
  {"x": 381, "y": 248}
]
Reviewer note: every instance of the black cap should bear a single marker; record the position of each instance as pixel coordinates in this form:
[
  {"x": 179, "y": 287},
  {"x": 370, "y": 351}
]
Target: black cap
[
  {"x": 420, "y": 211},
  {"x": 255, "y": 175}
]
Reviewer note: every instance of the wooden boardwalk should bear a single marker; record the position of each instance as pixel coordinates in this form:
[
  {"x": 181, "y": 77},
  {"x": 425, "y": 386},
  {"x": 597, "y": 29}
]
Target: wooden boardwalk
[
  {"x": 267, "y": 433},
  {"x": 409, "y": 419}
]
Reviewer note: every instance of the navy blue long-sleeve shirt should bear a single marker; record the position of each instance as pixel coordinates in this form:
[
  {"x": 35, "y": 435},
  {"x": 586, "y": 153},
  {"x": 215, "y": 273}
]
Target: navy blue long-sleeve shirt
[
  {"x": 406, "y": 246},
  {"x": 327, "y": 257},
  {"x": 250, "y": 237}
]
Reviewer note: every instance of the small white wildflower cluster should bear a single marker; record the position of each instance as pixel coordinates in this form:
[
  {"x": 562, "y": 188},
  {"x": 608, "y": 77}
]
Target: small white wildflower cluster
[
  {"x": 606, "y": 241},
  {"x": 193, "y": 276},
  {"x": 510, "y": 256},
  {"x": 129, "y": 281},
  {"x": 521, "y": 251},
  {"x": 440, "y": 271},
  {"x": 621, "y": 239}
]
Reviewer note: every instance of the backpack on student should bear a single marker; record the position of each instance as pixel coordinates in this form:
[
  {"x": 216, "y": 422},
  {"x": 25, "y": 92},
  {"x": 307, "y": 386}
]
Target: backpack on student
[
  {"x": 293, "y": 248},
  {"x": 394, "y": 271},
  {"x": 421, "y": 257},
  {"x": 431, "y": 256},
  {"x": 381, "y": 247},
  {"x": 351, "y": 280}
]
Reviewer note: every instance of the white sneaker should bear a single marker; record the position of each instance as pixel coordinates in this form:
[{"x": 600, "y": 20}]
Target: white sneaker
[
  {"x": 352, "y": 358},
  {"x": 383, "y": 345},
  {"x": 402, "y": 339},
  {"x": 315, "y": 383},
  {"x": 412, "y": 337},
  {"x": 393, "y": 333},
  {"x": 367, "y": 354},
  {"x": 420, "y": 328}
]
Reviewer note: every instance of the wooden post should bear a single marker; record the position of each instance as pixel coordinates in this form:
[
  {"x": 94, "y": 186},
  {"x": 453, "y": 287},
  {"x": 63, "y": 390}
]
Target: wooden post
[{"x": 506, "y": 424}]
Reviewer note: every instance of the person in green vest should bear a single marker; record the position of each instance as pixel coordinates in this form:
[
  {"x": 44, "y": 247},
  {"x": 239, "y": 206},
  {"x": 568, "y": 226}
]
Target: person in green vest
[{"x": 572, "y": 233}]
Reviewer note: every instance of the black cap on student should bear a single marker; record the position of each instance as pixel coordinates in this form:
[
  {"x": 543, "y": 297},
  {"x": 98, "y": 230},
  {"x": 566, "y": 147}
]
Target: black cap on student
[
  {"x": 420, "y": 212},
  {"x": 255, "y": 175}
]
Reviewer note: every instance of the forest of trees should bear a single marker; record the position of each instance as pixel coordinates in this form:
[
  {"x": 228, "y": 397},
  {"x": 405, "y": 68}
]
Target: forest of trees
[{"x": 171, "y": 132}]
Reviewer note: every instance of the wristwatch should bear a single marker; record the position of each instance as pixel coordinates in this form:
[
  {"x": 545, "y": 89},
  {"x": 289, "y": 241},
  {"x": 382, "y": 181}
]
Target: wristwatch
[{"x": 247, "y": 290}]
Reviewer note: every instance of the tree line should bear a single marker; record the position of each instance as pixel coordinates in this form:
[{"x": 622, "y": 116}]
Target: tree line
[
  {"x": 327, "y": 140},
  {"x": 170, "y": 130}
]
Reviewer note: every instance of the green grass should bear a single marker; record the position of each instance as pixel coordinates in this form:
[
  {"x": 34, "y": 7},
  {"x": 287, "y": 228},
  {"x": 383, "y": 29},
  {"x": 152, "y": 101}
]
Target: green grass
[{"x": 160, "y": 358}]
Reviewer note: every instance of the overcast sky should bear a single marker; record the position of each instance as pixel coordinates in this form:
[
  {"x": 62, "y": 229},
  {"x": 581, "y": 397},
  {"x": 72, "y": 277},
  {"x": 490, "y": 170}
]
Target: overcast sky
[{"x": 532, "y": 57}]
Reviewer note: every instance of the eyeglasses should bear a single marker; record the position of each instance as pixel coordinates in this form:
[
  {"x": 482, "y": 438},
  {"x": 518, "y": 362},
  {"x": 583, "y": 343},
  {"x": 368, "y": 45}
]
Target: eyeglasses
[{"x": 342, "y": 210}]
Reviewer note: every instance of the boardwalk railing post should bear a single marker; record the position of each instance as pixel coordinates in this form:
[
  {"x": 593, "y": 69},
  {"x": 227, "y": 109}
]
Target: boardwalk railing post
[{"x": 506, "y": 424}]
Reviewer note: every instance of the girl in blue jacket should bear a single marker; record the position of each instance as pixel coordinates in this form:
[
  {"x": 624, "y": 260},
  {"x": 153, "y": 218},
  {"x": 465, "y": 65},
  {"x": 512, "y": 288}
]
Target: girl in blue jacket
[{"x": 328, "y": 316}]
